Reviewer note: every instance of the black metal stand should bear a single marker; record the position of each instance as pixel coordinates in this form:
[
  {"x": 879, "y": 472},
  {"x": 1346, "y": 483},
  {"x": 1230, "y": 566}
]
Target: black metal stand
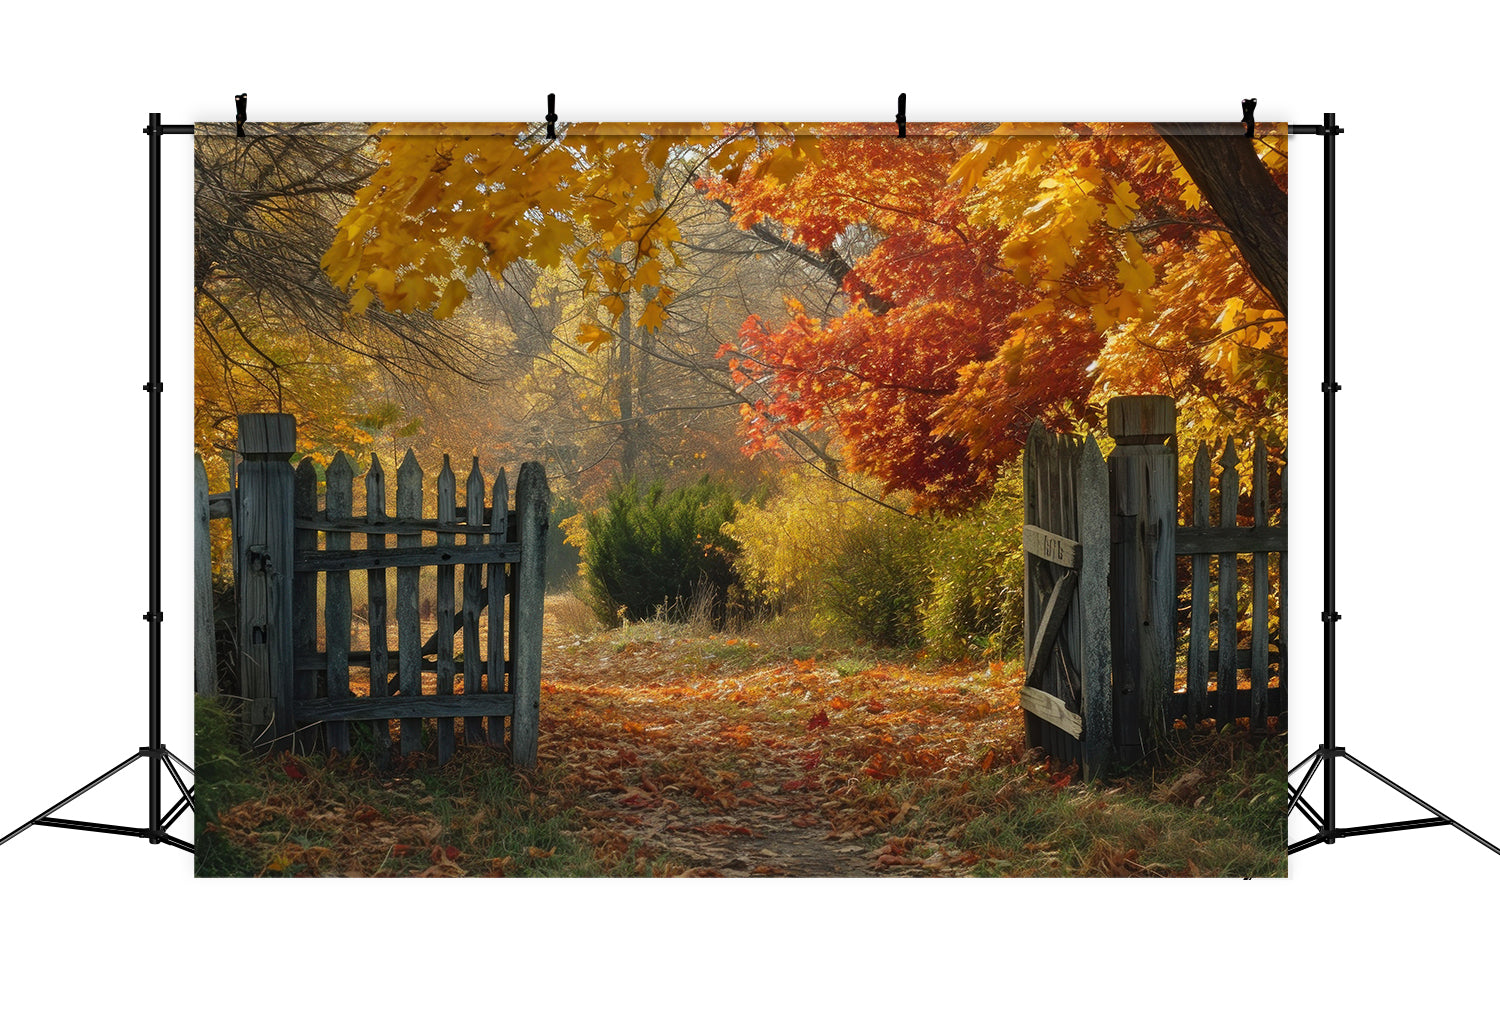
[
  {"x": 156, "y": 754},
  {"x": 1328, "y": 754}
]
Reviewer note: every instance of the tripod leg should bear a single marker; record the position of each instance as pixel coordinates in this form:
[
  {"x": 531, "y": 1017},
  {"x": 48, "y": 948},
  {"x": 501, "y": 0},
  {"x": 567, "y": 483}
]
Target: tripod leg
[
  {"x": 74, "y": 795},
  {"x": 181, "y": 763},
  {"x": 1422, "y": 803},
  {"x": 187, "y": 794},
  {"x": 1296, "y": 798}
]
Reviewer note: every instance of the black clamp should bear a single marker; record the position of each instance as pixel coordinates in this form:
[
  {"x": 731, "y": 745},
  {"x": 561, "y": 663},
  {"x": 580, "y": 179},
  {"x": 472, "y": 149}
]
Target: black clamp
[
  {"x": 552, "y": 115},
  {"x": 901, "y": 115},
  {"x": 239, "y": 114},
  {"x": 1329, "y": 388},
  {"x": 1248, "y": 107},
  {"x": 1331, "y": 616},
  {"x": 152, "y": 616},
  {"x": 154, "y": 387}
]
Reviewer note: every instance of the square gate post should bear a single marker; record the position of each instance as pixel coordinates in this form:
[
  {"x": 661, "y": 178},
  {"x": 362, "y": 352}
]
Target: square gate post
[
  {"x": 1143, "y": 568},
  {"x": 264, "y": 555}
]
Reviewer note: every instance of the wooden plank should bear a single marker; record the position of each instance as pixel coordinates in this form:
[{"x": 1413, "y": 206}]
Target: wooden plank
[
  {"x": 1227, "y": 676},
  {"x": 1070, "y": 689},
  {"x": 1199, "y": 617},
  {"x": 264, "y": 553},
  {"x": 1031, "y": 586},
  {"x": 1054, "y": 548},
  {"x": 408, "y": 617},
  {"x": 473, "y": 587},
  {"x": 1260, "y": 625},
  {"x": 1046, "y": 678},
  {"x": 1146, "y": 420},
  {"x": 305, "y": 598},
  {"x": 1218, "y": 540},
  {"x": 495, "y": 681},
  {"x": 447, "y": 513},
  {"x": 1092, "y": 606},
  {"x": 1159, "y": 627},
  {"x": 375, "y": 610},
  {"x": 205, "y": 653},
  {"x": 410, "y": 552},
  {"x": 398, "y": 525},
  {"x": 1125, "y": 568},
  {"x": 1052, "y": 617},
  {"x": 379, "y": 708},
  {"x": 533, "y": 503},
  {"x": 318, "y": 661},
  {"x": 267, "y": 433},
  {"x": 337, "y": 604},
  {"x": 1050, "y": 709},
  {"x": 1275, "y": 703},
  {"x": 1282, "y": 613}
]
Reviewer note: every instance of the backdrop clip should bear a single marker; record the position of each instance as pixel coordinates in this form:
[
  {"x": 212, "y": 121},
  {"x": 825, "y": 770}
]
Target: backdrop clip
[
  {"x": 239, "y": 113},
  {"x": 552, "y": 115},
  {"x": 901, "y": 115},
  {"x": 1248, "y": 107}
]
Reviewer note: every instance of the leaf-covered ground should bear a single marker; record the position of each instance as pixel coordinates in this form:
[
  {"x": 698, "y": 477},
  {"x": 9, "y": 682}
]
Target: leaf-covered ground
[{"x": 666, "y": 753}]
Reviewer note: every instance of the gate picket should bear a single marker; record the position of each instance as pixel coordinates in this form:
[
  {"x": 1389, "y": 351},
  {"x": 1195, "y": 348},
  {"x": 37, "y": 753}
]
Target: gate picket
[
  {"x": 408, "y": 618},
  {"x": 375, "y": 611}
]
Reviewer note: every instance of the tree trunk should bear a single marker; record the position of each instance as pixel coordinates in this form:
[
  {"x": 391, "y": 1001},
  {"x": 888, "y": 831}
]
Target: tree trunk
[
  {"x": 626, "y": 397},
  {"x": 1243, "y": 194}
]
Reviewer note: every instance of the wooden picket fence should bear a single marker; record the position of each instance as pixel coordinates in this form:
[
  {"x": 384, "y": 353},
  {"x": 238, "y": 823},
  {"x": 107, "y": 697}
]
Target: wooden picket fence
[
  {"x": 299, "y": 665},
  {"x": 1105, "y": 633},
  {"x": 1217, "y": 546}
]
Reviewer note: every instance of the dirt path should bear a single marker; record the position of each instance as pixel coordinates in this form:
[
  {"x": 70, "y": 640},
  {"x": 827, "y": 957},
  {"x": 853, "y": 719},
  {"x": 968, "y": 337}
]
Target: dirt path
[{"x": 712, "y": 755}]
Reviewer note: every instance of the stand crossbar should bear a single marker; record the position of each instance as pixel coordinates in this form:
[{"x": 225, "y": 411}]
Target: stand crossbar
[
  {"x": 156, "y": 754},
  {"x": 1328, "y": 755}
]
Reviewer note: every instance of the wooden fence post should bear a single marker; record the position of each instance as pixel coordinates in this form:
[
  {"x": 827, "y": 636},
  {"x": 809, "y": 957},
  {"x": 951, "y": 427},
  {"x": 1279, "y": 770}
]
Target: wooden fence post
[
  {"x": 205, "y": 657},
  {"x": 264, "y": 547},
  {"x": 533, "y": 503},
  {"x": 1143, "y": 569}
]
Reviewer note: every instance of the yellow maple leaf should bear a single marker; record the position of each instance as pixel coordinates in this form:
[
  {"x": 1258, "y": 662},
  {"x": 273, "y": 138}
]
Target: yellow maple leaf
[
  {"x": 591, "y": 336},
  {"x": 453, "y": 295},
  {"x": 547, "y": 244}
]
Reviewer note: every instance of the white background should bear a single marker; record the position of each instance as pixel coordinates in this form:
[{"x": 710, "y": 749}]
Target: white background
[{"x": 1377, "y": 927}]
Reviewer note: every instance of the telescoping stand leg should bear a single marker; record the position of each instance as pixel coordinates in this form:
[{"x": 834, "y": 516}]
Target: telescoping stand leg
[
  {"x": 157, "y": 755},
  {"x": 1329, "y": 753}
]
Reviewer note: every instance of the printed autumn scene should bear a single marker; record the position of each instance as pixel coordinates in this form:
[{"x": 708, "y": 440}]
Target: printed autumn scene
[{"x": 741, "y": 500}]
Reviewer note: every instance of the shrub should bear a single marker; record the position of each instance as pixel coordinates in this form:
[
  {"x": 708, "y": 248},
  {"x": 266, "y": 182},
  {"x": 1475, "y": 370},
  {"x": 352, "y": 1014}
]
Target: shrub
[
  {"x": 787, "y": 545},
  {"x": 660, "y": 552},
  {"x": 878, "y": 582},
  {"x": 978, "y": 572}
]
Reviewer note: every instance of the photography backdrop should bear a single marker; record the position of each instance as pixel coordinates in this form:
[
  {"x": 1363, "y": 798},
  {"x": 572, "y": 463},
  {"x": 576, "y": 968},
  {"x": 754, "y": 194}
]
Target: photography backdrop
[{"x": 843, "y": 335}]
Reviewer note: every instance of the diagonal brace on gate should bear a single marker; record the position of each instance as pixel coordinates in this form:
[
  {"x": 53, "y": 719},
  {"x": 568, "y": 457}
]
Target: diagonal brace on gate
[{"x": 1052, "y": 618}]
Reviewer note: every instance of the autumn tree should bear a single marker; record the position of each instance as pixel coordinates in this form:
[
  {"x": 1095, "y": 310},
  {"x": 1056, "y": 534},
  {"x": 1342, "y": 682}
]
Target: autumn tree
[
  {"x": 272, "y": 332},
  {"x": 979, "y": 280}
]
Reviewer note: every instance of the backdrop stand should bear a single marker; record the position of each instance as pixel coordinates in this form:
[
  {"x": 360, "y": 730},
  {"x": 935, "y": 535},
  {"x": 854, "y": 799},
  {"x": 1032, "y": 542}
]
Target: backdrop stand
[
  {"x": 1328, "y": 754},
  {"x": 156, "y": 754}
]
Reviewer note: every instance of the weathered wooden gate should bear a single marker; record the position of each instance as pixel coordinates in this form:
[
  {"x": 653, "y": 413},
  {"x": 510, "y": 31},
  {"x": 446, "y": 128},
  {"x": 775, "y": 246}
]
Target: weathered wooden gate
[
  {"x": 296, "y": 676},
  {"x": 1103, "y": 629},
  {"x": 1067, "y": 695}
]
